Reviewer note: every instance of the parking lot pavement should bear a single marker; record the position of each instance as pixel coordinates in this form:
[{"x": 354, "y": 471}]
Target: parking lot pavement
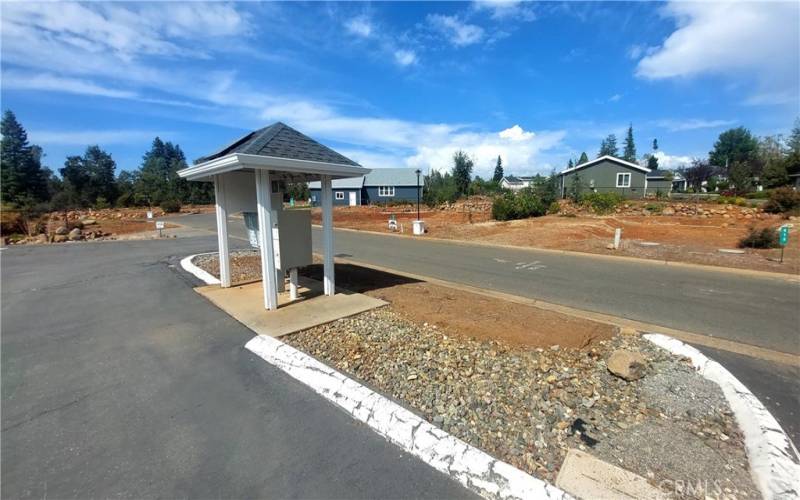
[{"x": 119, "y": 380}]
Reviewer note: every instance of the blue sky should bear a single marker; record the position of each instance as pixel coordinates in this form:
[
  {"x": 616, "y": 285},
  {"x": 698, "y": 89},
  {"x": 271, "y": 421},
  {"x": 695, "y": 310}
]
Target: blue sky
[{"x": 401, "y": 84}]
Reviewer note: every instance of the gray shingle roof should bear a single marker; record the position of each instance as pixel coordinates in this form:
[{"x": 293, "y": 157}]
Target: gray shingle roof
[
  {"x": 282, "y": 141},
  {"x": 348, "y": 183},
  {"x": 658, "y": 174},
  {"x": 392, "y": 177}
]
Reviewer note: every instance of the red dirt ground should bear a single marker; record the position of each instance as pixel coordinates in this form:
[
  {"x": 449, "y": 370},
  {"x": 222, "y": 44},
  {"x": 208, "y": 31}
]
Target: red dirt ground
[{"x": 692, "y": 239}]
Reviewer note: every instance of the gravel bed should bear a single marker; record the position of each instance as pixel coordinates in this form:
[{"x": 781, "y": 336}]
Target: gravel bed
[
  {"x": 528, "y": 406},
  {"x": 245, "y": 265}
]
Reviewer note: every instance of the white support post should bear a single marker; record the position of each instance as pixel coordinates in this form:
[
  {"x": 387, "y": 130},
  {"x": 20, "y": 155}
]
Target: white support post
[
  {"x": 264, "y": 198},
  {"x": 293, "y": 284},
  {"x": 222, "y": 231},
  {"x": 327, "y": 235}
]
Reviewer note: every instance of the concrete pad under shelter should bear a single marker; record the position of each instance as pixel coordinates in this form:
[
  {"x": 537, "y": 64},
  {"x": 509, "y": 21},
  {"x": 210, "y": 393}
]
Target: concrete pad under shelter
[
  {"x": 245, "y": 303},
  {"x": 585, "y": 476}
]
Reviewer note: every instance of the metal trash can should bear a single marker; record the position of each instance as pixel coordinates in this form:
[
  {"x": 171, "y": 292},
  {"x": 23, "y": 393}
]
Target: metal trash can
[{"x": 251, "y": 223}]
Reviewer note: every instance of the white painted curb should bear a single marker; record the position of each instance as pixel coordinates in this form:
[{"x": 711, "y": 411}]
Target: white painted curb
[
  {"x": 187, "y": 266},
  {"x": 774, "y": 461},
  {"x": 489, "y": 477}
]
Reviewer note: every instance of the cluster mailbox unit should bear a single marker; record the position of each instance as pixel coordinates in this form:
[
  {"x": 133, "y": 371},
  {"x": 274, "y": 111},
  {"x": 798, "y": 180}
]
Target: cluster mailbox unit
[{"x": 249, "y": 176}]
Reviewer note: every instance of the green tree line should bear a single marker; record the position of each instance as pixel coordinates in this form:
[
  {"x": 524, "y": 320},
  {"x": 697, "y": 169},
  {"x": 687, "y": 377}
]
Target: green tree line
[{"x": 91, "y": 180}]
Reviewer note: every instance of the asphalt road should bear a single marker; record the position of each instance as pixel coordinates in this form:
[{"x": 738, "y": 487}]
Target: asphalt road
[
  {"x": 118, "y": 380},
  {"x": 764, "y": 312},
  {"x": 758, "y": 311}
]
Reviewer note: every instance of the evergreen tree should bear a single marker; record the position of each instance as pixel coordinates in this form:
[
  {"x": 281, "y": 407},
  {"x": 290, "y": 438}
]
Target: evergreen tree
[
  {"x": 609, "y": 146},
  {"x": 89, "y": 179},
  {"x": 498, "y": 170},
  {"x": 652, "y": 162},
  {"x": 570, "y": 164},
  {"x": 736, "y": 145},
  {"x": 793, "y": 144},
  {"x": 21, "y": 175},
  {"x": 462, "y": 172},
  {"x": 629, "y": 153},
  {"x": 583, "y": 159},
  {"x": 655, "y": 144}
]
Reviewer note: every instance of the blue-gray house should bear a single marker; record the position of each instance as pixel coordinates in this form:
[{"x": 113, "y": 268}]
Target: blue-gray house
[{"x": 382, "y": 185}]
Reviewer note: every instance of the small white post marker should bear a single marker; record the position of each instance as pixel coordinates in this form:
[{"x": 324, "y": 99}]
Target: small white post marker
[
  {"x": 617, "y": 237},
  {"x": 293, "y": 284}
]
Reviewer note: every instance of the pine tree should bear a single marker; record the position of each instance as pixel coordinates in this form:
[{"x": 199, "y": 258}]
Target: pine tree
[
  {"x": 655, "y": 144},
  {"x": 21, "y": 175},
  {"x": 583, "y": 159},
  {"x": 498, "y": 170},
  {"x": 570, "y": 164},
  {"x": 652, "y": 162},
  {"x": 629, "y": 153},
  {"x": 609, "y": 146}
]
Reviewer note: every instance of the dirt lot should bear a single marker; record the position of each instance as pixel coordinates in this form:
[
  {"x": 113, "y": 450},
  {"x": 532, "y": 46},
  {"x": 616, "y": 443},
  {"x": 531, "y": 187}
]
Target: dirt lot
[
  {"x": 109, "y": 223},
  {"x": 694, "y": 237},
  {"x": 457, "y": 312}
]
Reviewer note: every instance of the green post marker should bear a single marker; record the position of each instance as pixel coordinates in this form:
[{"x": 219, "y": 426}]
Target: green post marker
[{"x": 783, "y": 238}]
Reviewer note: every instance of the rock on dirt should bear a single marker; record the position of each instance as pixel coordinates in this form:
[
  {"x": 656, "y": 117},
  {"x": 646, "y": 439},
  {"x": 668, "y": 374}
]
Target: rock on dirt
[
  {"x": 59, "y": 238},
  {"x": 627, "y": 365},
  {"x": 75, "y": 235},
  {"x": 62, "y": 230}
]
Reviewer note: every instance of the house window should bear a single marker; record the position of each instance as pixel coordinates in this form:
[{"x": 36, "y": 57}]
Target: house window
[
  {"x": 623, "y": 180},
  {"x": 385, "y": 190},
  {"x": 339, "y": 195}
]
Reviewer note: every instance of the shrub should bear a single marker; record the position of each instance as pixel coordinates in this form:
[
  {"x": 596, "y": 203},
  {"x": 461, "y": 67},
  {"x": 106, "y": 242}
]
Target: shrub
[
  {"x": 554, "y": 208},
  {"x": 758, "y": 195},
  {"x": 171, "y": 206},
  {"x": 760, "y": 238},
  {"x": 655, "y": 208},
  {"x": 732, "y": 200},
  {"x": 503, "y": 207},
  {"x": 602, "y": 203},
  {"x": 101, "y": 203},
  {"x": 526, "y": 203},
  {"x": 783, "y": 200}
]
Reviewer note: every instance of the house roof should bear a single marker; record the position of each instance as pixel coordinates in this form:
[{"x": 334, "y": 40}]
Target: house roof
[
  {"x": 658, "y": 174},
  {"x": 513, "y": 179},
  {"x": 281, "y": 141},
  {"x": 348, "y": 183},
  {"x": 284, "y": 151},
  {"x": 391, "y": 177},
  {"x": 605, "y": 158}
]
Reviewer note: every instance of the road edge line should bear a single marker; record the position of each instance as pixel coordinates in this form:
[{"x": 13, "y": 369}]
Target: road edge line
[
  {"x": 473, "y": 468},
  {"x": 793, "y": 278},
  {"x": 774, "y": 461},
  {"x": 695, "y": 338},
  {"x": 204, "y": 276}
]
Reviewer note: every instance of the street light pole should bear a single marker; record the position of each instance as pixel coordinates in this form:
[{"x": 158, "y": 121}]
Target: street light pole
[{"x": 417, "y": 171}]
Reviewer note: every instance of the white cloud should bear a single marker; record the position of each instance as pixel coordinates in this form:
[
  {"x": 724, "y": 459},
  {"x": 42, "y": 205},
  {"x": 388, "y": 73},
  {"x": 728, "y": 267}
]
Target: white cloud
[
  {"x": 672, "y": 162},
  {"x": 456, "y": 31},
  {"x": 87, "y": 137},
  {"x": 405, "y": 57},
  {"x": 43, "y": 81},
  {"x": 693, "y": 124},
  {"x": 504, "y": 9},
  {"x": 756, "y": 40},
  {"x": 516, "y": 133},
  {"x": 615, "y": 98},
  {"x": 359, "y": 26}
]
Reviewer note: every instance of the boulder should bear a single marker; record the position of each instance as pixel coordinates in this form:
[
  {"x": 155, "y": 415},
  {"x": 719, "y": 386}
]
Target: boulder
[
  {"x": 59, "y": 238},
  {"x": 75, "y": 235},
  {"x": 41, "y": 238},
  {"x": 668, "y": 211},
  {"x": 89, "y": 222},
  {"x": 62, "y": 230},
  {"x": 628, "y": 365}
]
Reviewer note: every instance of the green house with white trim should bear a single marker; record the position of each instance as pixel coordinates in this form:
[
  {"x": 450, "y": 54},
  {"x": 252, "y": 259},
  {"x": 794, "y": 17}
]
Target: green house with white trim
[{"x": 606, "y": 174}]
